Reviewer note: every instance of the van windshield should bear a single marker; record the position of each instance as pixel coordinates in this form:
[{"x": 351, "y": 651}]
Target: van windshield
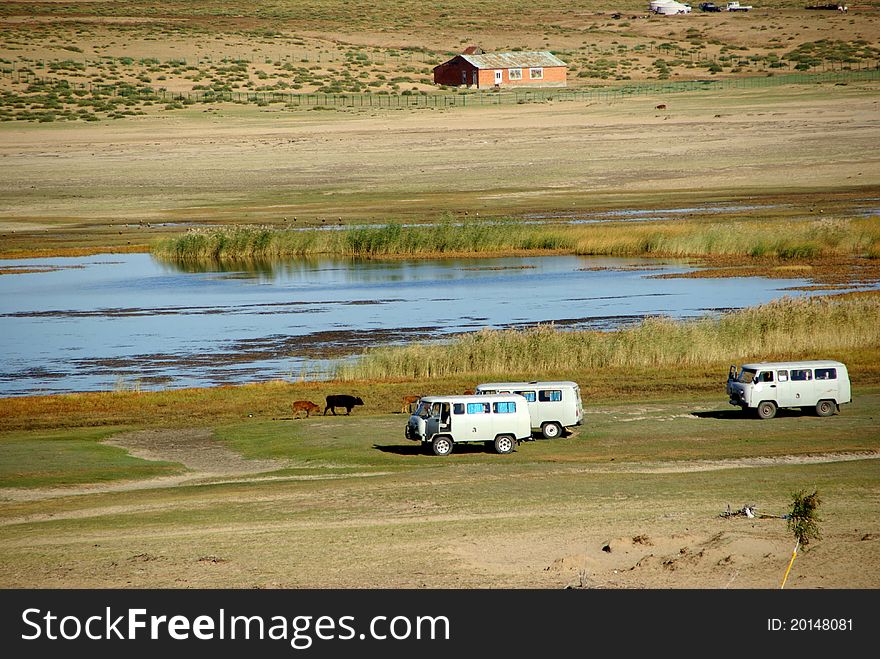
[
  {"x": 747, "y": 376},
  {"x": 424, "y": 410}
]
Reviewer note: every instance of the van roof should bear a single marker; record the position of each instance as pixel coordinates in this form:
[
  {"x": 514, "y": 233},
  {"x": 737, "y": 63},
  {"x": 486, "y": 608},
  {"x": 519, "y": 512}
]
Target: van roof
[
  {"x": 526, "y": 385},
  {"x": 470, "y": 398},
  {"x": 813, "y": 363}
]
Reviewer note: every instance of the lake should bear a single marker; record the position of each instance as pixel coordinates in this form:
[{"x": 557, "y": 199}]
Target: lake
[{"x": 129, "y": 321}]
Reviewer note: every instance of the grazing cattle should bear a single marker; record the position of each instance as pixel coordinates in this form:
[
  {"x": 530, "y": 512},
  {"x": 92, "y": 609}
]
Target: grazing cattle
[
  {"x": 662, "y": 106},
  {"x": 341, "y": 400},
  {"x": 306, "y": 406},
  {"x": 469, "y": 392},
  {"x": 407, "y": 402}
]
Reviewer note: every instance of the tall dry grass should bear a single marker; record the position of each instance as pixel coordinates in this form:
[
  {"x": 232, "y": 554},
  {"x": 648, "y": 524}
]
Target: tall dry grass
[
  {"x": 786, "y": 328},
  {"x": 790, "y": 239}
]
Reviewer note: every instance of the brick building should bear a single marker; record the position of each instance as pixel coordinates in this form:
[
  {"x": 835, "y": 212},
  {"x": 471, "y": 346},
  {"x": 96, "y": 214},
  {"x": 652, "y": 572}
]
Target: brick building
[{"x": 473, "y": 68}]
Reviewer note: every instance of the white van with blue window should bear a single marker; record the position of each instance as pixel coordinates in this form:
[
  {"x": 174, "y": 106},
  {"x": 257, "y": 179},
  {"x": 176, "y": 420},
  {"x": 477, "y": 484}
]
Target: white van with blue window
[
  {"x": 443, "y": 421},
  {"x": 818, "y": 385},
  {"x": 553, "y": 406}
]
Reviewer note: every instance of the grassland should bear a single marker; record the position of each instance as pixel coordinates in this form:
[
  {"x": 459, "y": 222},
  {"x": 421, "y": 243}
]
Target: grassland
[
  {"x": 67, "y": 457},
  {"x": 647, "y": 478},
  {"x": 92, "y": 62}
]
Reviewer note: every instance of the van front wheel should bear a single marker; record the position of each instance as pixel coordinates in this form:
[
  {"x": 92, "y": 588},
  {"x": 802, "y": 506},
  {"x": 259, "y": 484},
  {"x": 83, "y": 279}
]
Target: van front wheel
[
  {"x": 441, "y": 446},
  {"x": 504, "y": 444},
  {"x": 551, "y": 430},
  {"x": 767, "y": 409},
  {"x": 825, "y": 407}
]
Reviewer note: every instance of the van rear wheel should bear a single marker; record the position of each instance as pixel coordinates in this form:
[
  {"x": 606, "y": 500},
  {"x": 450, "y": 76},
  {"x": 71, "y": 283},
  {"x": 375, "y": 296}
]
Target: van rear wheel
[
  {"x": 766, "y": 409},
  {"x": 505, "y": 444},
  {"x": 551, "y": 430},
  {"x": 826, "y": 407},
  {"x": 441, "y": 446}
]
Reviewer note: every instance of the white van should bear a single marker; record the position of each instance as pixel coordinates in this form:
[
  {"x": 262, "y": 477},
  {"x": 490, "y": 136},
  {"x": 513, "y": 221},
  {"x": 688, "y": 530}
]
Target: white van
[
  {"x": 442, "y": 421},
  {"x": 552, "y": 405},
  {"x": 822, "y": 386}
]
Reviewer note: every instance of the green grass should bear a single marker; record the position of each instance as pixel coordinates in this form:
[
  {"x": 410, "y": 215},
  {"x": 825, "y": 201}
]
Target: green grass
[
  {"x": 786, "y": 239},
  {"x": 69, "y": 457},
  {"x": 673, "y": 428},
  {"x": 786, "y": 328}
]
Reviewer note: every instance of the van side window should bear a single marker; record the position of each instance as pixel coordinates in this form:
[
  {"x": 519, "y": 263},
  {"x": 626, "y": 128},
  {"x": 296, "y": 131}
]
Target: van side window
[
  {"x": 550, "y": 395},
  {"x": 458, "y": 408},
  {"x": 504, "y": 408},
  {"x": 783, "y": 376},
  {"x": 765, "y": 376},
  {"x": 528, "y": 395},
  {"x": 478, "y": 408},
  {"x": 801, "y": 374},
  {"x": 826, "y": 373}
]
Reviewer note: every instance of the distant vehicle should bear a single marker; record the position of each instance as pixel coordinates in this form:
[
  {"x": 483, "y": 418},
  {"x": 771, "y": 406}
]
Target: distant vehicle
[
  {"x": 553, "y": 406},
  {"x": 440, "y": 422},
  {"x": 709, "y": 6},
  {"x": 822, "y": 386},
  {"x": 735, "y": 6}
]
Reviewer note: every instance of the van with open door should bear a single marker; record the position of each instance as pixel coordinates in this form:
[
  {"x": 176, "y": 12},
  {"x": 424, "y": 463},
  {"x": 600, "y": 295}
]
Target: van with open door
[
  {"x": 501, "y": 422},
  {"x": 553, "y": 406},
  {"x": 821, "y": 386}
]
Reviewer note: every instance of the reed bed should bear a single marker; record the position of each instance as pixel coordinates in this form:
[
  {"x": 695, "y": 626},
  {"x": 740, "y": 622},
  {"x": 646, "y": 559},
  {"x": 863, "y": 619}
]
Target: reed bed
[
  {"x": 786, "y": 239},
  {"x": 785, "y": 328}
]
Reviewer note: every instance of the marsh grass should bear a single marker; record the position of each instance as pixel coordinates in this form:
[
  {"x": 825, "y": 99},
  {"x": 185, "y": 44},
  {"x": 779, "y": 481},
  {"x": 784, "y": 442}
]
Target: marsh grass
[
  {"x": 785, "y": 239},
  {"x": 786, "y": 328}
]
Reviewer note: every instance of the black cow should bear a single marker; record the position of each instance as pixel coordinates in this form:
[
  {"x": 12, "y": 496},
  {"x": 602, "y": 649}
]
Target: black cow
[{"x": 341, "y": 400}]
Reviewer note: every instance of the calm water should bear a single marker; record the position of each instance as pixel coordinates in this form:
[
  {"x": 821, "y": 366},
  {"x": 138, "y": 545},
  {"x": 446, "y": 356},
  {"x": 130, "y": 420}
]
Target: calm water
[{"x": 125, "y": 321}]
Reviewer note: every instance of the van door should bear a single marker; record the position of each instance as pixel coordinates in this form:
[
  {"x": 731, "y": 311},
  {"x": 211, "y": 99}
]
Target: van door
[
  {"x": 477, "y": 425},
  {"x": 764, "y": 387},
  {"x": 550, "y": 405},
  {"x": 801, "y": 382},
  {"x": 784, "y": 392},
  {"x": 432, "y": 423}
]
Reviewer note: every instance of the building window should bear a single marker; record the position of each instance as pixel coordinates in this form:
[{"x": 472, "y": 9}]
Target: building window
[
  {"x": 536, "y": 74},
  {"x": 514, "y": 74}
]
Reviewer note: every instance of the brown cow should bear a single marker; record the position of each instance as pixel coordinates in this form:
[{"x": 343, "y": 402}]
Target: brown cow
[
  {"x": 662, "y": 106},
  {"x": 407, "y": 402},
  {"x": 469, "y": 392},
  {"x": 306, "y": 406}
]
